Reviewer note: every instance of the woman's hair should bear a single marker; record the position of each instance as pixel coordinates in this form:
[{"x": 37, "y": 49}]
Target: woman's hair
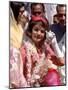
[
  {"x": 16, "y": 7},
  {"x": 60, "y": 5},
  {"x": 37, "y": 20}
]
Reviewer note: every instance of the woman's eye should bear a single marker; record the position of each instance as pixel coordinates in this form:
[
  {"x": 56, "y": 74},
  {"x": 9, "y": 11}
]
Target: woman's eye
[
  {"x": 35, "y": 29},
  {"x": 42, "y": 31}
]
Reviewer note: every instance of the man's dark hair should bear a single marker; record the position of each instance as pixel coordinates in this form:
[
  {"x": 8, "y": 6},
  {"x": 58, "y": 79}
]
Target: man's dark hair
[
  {"x": 34, "y": 4},
  {"x": 60, "y": 5}
]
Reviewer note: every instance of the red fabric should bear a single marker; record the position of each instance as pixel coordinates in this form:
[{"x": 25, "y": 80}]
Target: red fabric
[
  {"x": 38, "y": 18},
  {"x": 52, "y": 78},
  {"x": 23, "y": 53}
]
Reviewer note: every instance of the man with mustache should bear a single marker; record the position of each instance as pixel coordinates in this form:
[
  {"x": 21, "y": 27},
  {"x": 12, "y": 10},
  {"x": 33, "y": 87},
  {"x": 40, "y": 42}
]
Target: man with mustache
[
  {"x": 60, "y": 28},
  {"x": 60, "y": 31}
]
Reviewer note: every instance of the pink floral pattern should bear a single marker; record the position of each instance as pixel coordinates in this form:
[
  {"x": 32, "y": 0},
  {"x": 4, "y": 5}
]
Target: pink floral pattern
[
  {"x": 34, "y": 61},
  {"x": 16, "y": 69}
]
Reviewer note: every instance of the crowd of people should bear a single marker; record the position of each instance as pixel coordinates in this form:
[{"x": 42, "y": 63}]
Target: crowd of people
[{"x": 37, "y": 48}]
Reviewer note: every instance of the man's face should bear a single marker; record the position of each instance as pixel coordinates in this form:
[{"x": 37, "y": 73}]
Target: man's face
[
  {"x": 62, "y": 15},
  {"x": 37, "y": 10},
  {"x": 55, "y": 20}
]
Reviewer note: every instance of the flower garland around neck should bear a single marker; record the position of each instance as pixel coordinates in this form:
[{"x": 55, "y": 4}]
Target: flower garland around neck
[{"x": 39, "y": 59}]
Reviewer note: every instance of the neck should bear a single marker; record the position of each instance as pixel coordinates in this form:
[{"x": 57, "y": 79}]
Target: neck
[{"x": 38, "y": 45}]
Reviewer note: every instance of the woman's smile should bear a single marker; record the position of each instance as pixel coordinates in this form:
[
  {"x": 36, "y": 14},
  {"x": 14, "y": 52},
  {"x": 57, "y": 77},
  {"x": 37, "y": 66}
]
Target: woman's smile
[{"x": 38, "y": 33}]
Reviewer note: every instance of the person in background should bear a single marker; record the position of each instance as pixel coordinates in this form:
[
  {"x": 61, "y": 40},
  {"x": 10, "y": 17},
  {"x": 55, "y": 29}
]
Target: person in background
[
  {"x": 60, "y": 28},
  {"x": 60, "y": 31},
  {"x": 55, "y": 19},
  {"x": 21, "y": 15},
  {"x": 38, "y": 9},
  {"x": 16, "y": 34}
]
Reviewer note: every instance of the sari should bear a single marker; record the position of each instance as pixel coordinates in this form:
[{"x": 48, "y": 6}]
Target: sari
[
  {"x": 39, "y": 70},
  {"x": 16, "y": 34}
]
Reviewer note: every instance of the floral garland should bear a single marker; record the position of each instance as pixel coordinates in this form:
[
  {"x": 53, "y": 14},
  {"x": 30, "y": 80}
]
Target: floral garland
[{"x": 40, "y": 60}]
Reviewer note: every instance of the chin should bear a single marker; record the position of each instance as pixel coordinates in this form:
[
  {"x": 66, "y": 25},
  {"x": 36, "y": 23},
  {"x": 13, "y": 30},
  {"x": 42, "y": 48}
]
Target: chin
[{"x": 37, "y": 41}]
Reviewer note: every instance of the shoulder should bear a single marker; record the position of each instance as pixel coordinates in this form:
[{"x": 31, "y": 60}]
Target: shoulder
[{"x": 54, "y": 26}]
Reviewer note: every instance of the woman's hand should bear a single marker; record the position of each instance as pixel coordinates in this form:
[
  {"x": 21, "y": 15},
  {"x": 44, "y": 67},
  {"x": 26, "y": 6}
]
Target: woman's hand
[{"x": 50, "y": 37}]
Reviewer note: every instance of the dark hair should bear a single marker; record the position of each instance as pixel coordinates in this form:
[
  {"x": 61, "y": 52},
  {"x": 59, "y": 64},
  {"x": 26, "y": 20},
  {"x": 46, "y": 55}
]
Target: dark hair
[
  {"x": 33, "y": 23},
  {"x": 16, "y": 7},
  {"x": 60, "y": 5},
  {"x": 34, "y": 4}
]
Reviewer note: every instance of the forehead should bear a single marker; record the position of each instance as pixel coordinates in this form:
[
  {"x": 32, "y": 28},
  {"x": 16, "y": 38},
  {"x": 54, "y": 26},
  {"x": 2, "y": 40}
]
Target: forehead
[
  {"x": 62, "y": 10},
  {"x": 39, "y": 26},
  {"x": 37, "y": 7},
  {"x": 22, "y": 8}
]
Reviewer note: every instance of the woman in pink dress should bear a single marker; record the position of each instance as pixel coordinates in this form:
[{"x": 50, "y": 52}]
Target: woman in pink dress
[{"x": 41, "y": 55}]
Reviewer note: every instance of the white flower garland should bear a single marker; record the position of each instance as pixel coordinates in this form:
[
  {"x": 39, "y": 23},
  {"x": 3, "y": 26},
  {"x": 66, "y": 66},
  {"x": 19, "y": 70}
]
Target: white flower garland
[{"x": 40, "y": 60}]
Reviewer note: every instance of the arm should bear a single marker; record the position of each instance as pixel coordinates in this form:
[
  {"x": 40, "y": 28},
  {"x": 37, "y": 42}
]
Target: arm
[
  {"x": 57, "y": 57},
  {"x": 54, "y": 58},
  {"x": 58, "y": 61}
]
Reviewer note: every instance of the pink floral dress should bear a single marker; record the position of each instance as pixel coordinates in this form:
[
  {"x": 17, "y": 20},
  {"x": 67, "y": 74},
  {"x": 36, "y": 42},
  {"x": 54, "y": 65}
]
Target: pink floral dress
[{"x": 39, "y": 67}]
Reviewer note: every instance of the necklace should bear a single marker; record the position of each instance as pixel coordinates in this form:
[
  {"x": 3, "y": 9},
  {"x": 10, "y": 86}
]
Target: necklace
[{"x": 31, "y": 50}]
